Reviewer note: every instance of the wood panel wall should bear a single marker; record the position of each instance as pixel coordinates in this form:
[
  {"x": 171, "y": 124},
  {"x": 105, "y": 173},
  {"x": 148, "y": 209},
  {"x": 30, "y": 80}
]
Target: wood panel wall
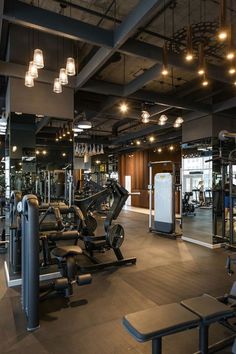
[{"x": 136, "y": 165}]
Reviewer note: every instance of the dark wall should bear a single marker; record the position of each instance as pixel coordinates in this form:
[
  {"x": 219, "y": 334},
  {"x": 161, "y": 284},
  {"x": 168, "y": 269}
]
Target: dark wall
[
  {"x": 40, "y": 99},
  {"x": 197, "y": 129}
]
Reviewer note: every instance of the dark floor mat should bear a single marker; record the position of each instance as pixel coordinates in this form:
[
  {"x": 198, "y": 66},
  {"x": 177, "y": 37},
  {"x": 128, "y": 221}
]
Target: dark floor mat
[{"x": 181, "y": 280}]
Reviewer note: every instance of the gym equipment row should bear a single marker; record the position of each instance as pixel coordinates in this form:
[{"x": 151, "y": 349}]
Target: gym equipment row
[
  {"x": 74, "y": 224},
  {"x": 164, "y": 190}
]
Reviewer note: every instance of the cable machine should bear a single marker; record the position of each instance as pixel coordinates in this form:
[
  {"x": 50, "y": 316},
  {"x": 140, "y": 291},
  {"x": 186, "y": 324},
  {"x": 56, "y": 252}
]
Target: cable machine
[{"x": 164, "y": 189}]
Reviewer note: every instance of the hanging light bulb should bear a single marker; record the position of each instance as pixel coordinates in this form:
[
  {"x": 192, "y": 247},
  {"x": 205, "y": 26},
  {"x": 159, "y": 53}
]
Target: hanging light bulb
[
  {"x": 189, "y": 53},
  {"x": 161, "y": 122},
  {"x": 201, "y": 62},
  {"x": 60, "y": 135},
  {"x": 70, "y": 66},
  {"x": 63, "y": 76},
  {"x": 223, "y": 33},
  {"x": 205, "y": 82},
  {"x": 38, "y": 58},
  {"x": 124, "y": 107},
  {"x": 57, "y": 88},
  {"x": 33, "y": 70},
  {"x": 163, "y": 118},
  {"x": 64, "y": 132},
  {"x": 232, "y": 69},
  {"x": 176, "y": 125},
  {"x": 230, "y": 53},
  {"x": 179, "y": 120},
  {"x": 145, "y": 117},
  {"x": 29, "y": 80},
  {"x": 164, "y": 71}
]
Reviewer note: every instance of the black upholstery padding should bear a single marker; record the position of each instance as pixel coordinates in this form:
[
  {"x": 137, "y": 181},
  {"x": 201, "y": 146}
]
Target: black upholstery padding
[
  {"x": 64, "y": 251},
  {"x": 159, "y": 321},
  {"x": 208, "y": 308}
]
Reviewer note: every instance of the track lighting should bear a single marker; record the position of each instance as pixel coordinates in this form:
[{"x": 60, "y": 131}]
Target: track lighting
[
  {"x": 37, "y": 152},
  {"x": 44, "y": 152},
  {"x": 38, "y": 58},
  {"x": 123, "y": 107},
  {"x": 171, "y": 148},
  {"x": 159, "y": 150},
  {"x": 151, "y": 139},
  {"x": 138, "y": 142}
]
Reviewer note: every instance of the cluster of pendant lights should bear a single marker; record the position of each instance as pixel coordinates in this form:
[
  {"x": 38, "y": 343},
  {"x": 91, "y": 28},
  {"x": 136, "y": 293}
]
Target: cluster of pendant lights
[
  {"x": 34, "y": 65},
  {"x": 64, "y": 133},
  {"x": 89, "y": 150},
  {"x": 62, "y": 80},
  {"x": 38, "y": 63},
  {"x": 225, "y": 34}
]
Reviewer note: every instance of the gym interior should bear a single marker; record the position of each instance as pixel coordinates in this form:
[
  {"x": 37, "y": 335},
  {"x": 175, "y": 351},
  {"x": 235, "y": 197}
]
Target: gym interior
[{"x": 117, "y": 176}]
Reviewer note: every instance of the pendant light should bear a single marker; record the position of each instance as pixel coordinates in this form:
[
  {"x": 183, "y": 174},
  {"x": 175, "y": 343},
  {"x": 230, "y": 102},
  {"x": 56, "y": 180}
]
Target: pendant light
[
  {"x": 205, "y": 82},
  {"x": 29, "y": 80},
  {"x": 63, "y": 76},
  {"x": 176, "y": 125},
  {"x": 145, "y": 115},
  {"x": 163, "y": 118},
  {"x": 124, "y": 106},
  {"x": 38, "y": 58},
  {"x": 33, "y": 70},
  {"x": 84, "y": 124},
  {"x": 230, "y": 53},
  {"x": 223, "y": 32},
  {"x": 164, "y": 71},
  {"x": 189, "y": 52},
  {"x": 102, "y": 150},
  {"x": 57, "y": 88},
  {"x": 70, "y": 66},
  {"x": 201, "y": 62},
  {"x": 179, "y": 120}
]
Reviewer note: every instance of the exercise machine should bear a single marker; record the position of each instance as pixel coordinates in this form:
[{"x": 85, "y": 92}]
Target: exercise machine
[
  {"x": 31, "y": 287},
  {"x": 188, "y": 208},
  {"x": 164, "y": 192},
  {"x": 114, "y": 234}
]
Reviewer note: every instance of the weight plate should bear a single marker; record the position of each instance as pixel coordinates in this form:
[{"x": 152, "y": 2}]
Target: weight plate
[{"x": 115, "y": 236}]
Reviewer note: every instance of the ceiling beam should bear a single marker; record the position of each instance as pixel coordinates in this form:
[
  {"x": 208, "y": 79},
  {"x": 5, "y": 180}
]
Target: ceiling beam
[
  {"x": 1, "y": 14},
  {"x": 152, "y": 52},
  {"x": 42, "y": 123},
  {"x": 138, "y": 17},
  {"x": 35, "y": 17},
  {"x": 223, "y": 106},
  {"x": 107, "y": 88},
  {"x": 142, "y": 80}
]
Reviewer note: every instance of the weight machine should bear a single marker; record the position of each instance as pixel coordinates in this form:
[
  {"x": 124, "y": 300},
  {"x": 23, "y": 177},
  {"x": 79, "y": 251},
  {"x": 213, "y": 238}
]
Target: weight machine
[
  {"x": 114, "y": 234},
  {"x": 230, "y": 162},
  {"x": 164, "y": 189},
  {"x": 31, "y": 287}
]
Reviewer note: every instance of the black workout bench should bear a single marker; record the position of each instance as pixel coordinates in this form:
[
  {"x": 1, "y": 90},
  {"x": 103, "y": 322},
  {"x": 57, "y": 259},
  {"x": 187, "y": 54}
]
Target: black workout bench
[{"x": 157, "y": 322}]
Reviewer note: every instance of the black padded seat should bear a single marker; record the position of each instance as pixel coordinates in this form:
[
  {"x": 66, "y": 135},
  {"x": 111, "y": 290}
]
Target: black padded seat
[
  {"x": 208, "y": 308},
  {"x": 65, "y": 251},
  {"x": 159, "y": 321}
]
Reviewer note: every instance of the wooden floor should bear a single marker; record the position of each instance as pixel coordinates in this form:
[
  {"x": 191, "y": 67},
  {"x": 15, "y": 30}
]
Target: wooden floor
[{"x": 166, "y": 271}]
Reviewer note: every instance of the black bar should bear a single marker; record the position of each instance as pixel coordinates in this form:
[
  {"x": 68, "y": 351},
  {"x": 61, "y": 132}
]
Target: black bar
[
  {"x": 99, "y": 266},
  {"x": 157, "y": 346},
  {"x": 203, "y": 338},
  {"x": 30, "y": 260}
]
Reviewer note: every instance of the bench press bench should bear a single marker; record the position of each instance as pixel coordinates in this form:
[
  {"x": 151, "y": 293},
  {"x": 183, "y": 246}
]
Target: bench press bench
[{"x": 157, "y": 322}]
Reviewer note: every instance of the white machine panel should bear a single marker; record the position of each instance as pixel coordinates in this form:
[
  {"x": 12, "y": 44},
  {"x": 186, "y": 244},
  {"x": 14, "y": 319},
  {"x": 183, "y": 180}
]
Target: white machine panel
[{"x": 163, "y": 202}]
